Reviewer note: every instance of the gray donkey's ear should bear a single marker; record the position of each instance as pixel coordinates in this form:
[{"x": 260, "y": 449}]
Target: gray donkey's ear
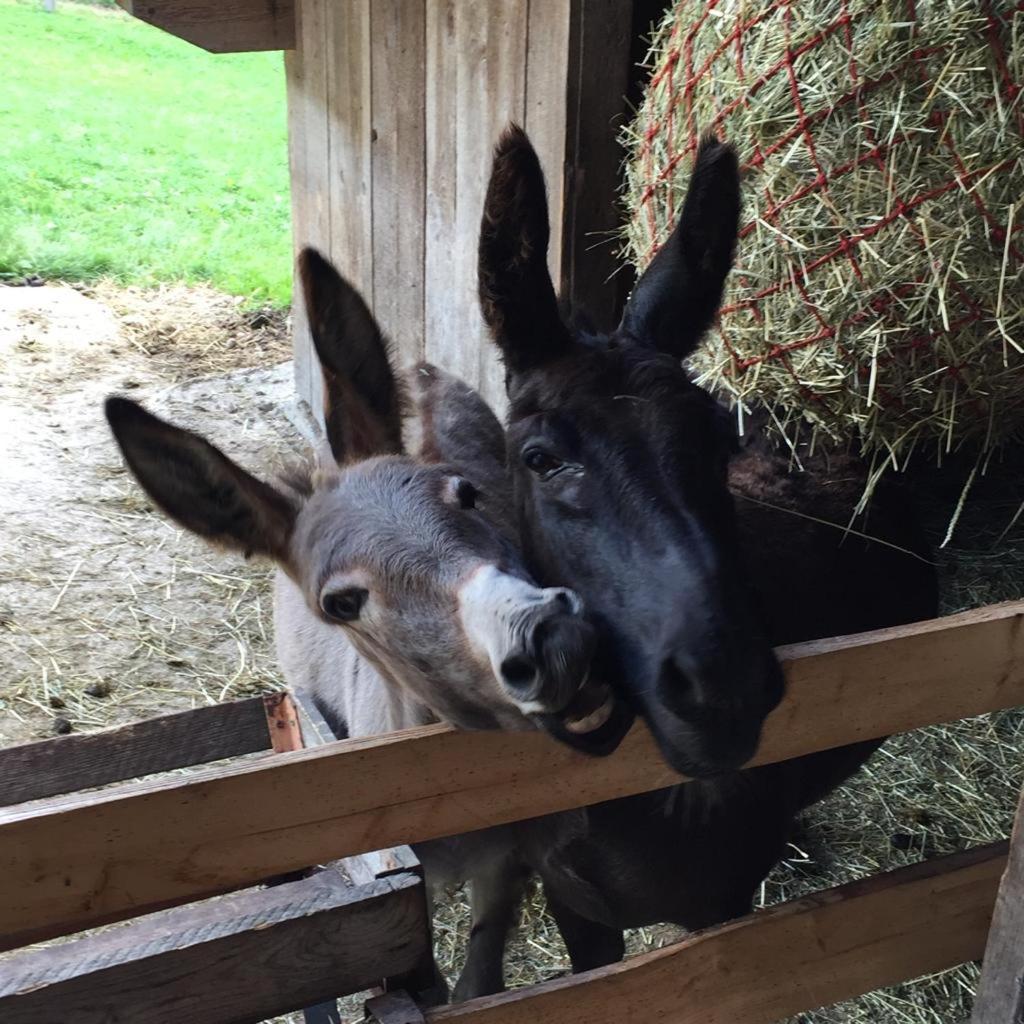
[
  {"x": 362, "y": 399},
  {"x": 456, "y": 425},
  {"x": 199, "y": 486}
]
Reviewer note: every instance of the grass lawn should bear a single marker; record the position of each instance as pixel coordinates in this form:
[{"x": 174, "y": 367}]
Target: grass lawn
[{"x": 127, "y": 152}]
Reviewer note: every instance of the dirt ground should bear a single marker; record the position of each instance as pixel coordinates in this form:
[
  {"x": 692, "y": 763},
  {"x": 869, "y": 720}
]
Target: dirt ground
[{"x": 108, "y": 613}]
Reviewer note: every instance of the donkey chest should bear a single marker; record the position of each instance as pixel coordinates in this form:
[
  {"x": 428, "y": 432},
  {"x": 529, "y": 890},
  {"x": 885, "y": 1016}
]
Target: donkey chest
[{"x": 646, "y": 860}]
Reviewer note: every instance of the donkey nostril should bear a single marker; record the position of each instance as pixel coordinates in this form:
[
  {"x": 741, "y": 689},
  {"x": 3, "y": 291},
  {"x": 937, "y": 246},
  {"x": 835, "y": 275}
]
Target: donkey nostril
[
  {"x": 566, "y": 601},
  {"x": 678, "y": 688},
  {"x": 518, "y": 671}
]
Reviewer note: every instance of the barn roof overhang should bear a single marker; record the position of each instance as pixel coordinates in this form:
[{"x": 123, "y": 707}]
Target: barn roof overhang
[{"x": 222, "y": 26}]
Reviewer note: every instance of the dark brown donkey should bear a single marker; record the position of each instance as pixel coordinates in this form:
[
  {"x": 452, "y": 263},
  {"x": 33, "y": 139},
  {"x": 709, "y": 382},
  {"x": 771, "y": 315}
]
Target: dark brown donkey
[
  {"x": 401, "y": 596},
  {"x": 693, "y": 556}
]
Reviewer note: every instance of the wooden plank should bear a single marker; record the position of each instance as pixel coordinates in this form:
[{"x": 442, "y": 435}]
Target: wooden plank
[
  {"x": 245, "y": 957},
  {"x": 222, "y": 26},
  {"x": 64, "y": 764},
  {"x": 112, "y": 853},
  {"x": 348, "y": 169},
  {"x": 476, "y": 68},
  {"x": 598, "y": 78},
  {"x": 308, "y": 150},
  {"x": 546, "y": 114},
  {"x": 781, "y": 961},
  {"x": 1001, "y": 989},
  {"x": 449, "y": 338},
  {"x": 365, "y": 867},
  {"x": 397, "y": 61}
]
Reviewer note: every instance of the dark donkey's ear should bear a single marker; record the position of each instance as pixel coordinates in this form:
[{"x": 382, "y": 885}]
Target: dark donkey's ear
[
  {"x": 199, "y": 486},
  {"x": 362, "y": 400},
  {"x": 678, "y": 295},
  {"x": 516, "y": 295}
]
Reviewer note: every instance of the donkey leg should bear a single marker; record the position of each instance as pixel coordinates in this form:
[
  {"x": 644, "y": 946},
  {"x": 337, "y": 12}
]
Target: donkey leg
[
  {"x": 495, "y": 894},
  {"x": 588, "y": 943}
]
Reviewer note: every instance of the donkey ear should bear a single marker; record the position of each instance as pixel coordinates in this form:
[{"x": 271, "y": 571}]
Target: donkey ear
[
  {"x": 362, "y": 401},
  {"x": 516, "y": 295},
  {"x": 199, "y": 486},
  {"x": 676, "y": 299},
  {"x": 456, "y": 424}
]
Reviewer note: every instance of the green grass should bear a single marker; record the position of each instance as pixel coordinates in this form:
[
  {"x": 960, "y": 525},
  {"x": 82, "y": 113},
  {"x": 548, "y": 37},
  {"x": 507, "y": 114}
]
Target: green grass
[{"x": 129, "y": 153}]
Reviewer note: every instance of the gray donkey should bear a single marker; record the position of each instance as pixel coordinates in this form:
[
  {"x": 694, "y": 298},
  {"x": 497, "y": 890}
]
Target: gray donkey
[{"x": 401, "y": 597}]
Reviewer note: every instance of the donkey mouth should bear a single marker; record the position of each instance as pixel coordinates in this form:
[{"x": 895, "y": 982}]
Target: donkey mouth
[
  {"x": 588, "y": 711},
  {"x": 594, "y": 721}
]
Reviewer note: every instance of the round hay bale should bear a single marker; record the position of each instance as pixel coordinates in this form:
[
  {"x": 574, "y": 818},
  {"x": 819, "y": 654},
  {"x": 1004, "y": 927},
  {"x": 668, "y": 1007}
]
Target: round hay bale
[{"x": 879, "y": 289}]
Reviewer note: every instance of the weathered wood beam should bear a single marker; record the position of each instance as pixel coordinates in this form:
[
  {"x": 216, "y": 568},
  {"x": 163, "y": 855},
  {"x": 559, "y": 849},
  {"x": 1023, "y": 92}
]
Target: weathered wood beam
[
  {"x": 64, "y": 764},
  {"x": 1001, "y": 989},
  {"x": 222, "y": 26},
  {"x": 109, "y": 855},
  {"x": 782, "y": 961},
  {"x": 245, "y": 957}
]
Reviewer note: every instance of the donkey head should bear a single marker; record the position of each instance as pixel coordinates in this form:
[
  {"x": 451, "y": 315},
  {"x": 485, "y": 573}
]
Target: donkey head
[
  {"x": 620, "y": 463},
  {"x": 403, "y": 555}
]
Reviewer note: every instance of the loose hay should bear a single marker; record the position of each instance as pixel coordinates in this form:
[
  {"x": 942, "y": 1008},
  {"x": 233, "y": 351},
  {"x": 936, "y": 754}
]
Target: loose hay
[{"x": 879, "y": 292}]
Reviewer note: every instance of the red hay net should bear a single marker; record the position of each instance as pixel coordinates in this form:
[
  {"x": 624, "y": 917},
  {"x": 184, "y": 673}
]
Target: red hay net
[{"x": 878, "y": 159}]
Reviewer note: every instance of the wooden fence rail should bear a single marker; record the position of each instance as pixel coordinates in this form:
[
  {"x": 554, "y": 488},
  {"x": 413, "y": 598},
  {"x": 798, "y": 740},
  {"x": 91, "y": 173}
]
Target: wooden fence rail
[
  {"x": 244, "y": 958},
  {"x": 33, "y": 771},
  {"x": 73, "y": 862},
  {"x": 782, "y": 961}
]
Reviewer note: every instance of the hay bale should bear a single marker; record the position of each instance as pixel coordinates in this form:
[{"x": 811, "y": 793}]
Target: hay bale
[{"x": 879, "y": 290}]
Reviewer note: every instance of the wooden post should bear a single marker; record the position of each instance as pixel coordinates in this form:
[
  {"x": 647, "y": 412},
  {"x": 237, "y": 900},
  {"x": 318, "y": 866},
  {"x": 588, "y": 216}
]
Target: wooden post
[
  {"x": 394, "y": 110},
  {"x": 283, "y": 722},
  {"x": 307, "y": 728},
  {"x": 1001, "y": 989}
]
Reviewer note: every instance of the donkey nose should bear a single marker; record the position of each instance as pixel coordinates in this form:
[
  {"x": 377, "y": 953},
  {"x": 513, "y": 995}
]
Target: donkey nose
[
  {"x": 745, "y": 683},
  {"x": 521, "y": 674},
  {"x": 554, "y": 657}
]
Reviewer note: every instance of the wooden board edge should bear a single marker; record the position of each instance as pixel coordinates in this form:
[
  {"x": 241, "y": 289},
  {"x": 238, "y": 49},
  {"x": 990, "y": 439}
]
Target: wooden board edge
[
  {"x": 788, "y": 959},
  {"x": 62, "y": 765},
  {"x": 1000, "y": 996},
  {"x": 160, "y": 961}
]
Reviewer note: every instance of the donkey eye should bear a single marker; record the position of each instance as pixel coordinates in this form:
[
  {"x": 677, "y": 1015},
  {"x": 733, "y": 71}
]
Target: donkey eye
[
  {"x": 344, "y": 605},
  {"x": 466, "y": 494},
  {"x": 541, "y": 462},
  {"x": 459, "y": 493}
]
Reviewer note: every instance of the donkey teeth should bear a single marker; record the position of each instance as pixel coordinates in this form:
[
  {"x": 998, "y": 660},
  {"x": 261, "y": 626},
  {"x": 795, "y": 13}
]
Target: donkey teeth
[{"x": 592, "y": 721}]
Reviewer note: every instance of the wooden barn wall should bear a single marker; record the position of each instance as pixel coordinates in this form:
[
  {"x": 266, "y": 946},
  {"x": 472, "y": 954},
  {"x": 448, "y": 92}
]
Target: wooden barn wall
[{"x": 394, "y": 109}]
